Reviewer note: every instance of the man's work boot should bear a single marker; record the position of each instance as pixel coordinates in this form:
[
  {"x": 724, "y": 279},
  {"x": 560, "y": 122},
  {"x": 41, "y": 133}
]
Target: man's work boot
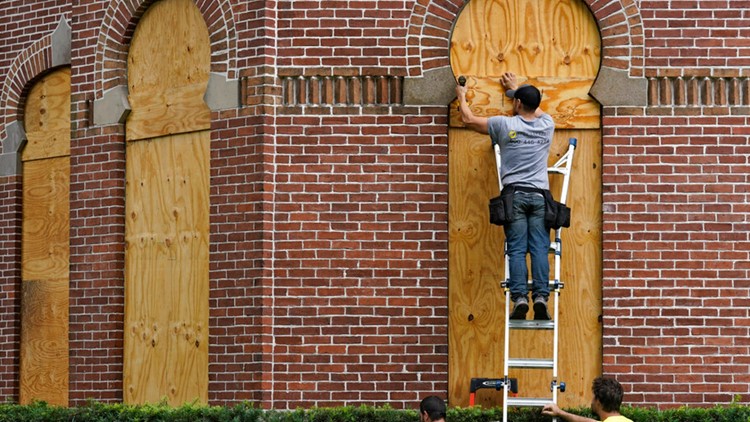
[
  {"x": 540, "y": 309},
  {"x": 520, "y": 307}
]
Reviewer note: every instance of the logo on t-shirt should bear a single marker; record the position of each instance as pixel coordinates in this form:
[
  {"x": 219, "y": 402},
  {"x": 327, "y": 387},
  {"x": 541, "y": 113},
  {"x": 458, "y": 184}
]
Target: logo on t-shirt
[{"x": 512, "y": 134}]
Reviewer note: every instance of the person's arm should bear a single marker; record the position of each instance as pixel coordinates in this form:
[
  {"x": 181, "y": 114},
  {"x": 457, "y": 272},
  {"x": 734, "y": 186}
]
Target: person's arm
[
  {"x": 471, "y": 121},
  {"x": 509, "y": 81},
  {"x": 552, "y": 410}
]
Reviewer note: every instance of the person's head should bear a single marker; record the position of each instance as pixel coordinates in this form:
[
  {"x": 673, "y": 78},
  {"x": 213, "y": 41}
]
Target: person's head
[
  {"x": 607, "y": 395},
  {"x": 431, "y": 408},
  {"x": 526, "y": 98}
]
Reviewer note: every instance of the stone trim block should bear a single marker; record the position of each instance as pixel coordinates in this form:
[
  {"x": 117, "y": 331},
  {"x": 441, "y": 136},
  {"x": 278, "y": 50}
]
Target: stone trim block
[
  {"x": 112, "y": 108},
  {"x": 222, "y": 93},
  {"x": 13, "y": 142},
  {"x": 61, "y": 44},
  {"x": 434, "y": 87},
  {"x": 615, "y": 87}
]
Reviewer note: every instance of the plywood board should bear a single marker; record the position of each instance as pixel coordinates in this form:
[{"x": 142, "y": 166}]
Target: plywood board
[
  {"x": 580, "y": 330},
  {"x": 47, "y": 117},
  {"x": 551, "y": 44},
  {"x": 167, "y": 208},
  {"x": 476, "y": 269},
  {"x": 43, "y": 368},
  {"x": 175, "y": 110},
  {"x": 45, "y": 247},
  {"x": 475, "y": 265},
  {"x": 169, "y": 63},
  {"x": 47, "y": 144},
  {"x": 554, "y": 45},
  {"x": 533, "y": 38},
  {"x": 565, "y": 99},
  {"x": 166, "y": 270}
]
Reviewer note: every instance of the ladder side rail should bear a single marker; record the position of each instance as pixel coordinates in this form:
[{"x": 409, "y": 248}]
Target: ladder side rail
[
  {"x": 558, "y": 258},
  {"x": 567, "y": 161},
  {"x": 506, "y": 387},
  {"x": 558, "y": 271},
  {"x": 496, "y": 148},
  {"x": 563, "y": 166},
  {"x": 568, "y": 167}
]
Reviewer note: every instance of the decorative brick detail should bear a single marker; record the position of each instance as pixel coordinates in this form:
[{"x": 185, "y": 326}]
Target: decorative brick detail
[
  {"x": 341, "y": 91},
  {"x": 120, "y": 20},
  {"x": 722, "y": 95}
]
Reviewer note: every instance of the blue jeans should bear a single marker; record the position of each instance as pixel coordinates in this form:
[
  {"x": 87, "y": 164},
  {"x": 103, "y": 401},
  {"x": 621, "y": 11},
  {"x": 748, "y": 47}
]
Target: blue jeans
[{"x": 526, "y": 233}]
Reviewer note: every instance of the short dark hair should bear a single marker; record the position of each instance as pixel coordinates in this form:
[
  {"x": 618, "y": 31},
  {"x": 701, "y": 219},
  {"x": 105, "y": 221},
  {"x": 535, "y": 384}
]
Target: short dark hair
[
  {"x": 608, "y": 392},
  {"x": 434, "y": 406},
  {"x": 529, "y": 95}
]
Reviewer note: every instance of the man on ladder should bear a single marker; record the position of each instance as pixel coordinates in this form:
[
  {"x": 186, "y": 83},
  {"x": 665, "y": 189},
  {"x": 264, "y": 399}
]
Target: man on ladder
[
  {"x": 527, "y": 211},
  {"x": 524, "y": 141}
]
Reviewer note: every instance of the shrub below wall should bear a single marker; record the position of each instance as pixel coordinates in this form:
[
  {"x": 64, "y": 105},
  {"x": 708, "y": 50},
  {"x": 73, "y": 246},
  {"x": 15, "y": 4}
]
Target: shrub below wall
[{"x": 97, "y": 412}]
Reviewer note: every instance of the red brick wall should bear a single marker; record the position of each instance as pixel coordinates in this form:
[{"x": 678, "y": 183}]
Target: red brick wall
[
  {"x": 10, "y": 284},
  {"x": 329, "y": 222},
  {"x": 675, "y": 184},
  {"x": 361, "y": 244}
]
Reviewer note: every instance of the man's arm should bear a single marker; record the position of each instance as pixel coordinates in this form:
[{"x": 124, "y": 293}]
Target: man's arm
[
  {"x": 471, "y": 121},
  {"x": 552, "y": 410}
]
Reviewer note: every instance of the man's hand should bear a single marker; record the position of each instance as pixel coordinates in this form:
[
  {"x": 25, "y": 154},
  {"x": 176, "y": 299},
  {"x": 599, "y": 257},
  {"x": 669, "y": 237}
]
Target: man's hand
[
  {"x": 509, "y": 80},
  {"x": 471, "y": 121},
  {"x": 461, "y": 92},
  {"x": 551, "y": 410}
]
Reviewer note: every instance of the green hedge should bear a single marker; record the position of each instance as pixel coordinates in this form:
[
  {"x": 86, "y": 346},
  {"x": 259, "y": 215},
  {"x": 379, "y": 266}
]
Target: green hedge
[{"x": 97, "y": 412}]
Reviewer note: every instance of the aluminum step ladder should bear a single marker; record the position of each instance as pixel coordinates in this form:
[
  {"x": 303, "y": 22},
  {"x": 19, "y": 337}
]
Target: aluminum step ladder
[{"x": 510, "y": 385}]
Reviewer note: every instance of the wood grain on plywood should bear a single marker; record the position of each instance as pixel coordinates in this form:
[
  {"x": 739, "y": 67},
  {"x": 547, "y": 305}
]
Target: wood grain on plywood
[
  {"x": 169, "y": 63},
  {"x": 166, "y": 272},
  {"x": 44, "y": 342},
  {"x": 45, "y": 246},
  {"x": 167, "y": 208},
  {"x": 565, "y": 99},
  {"x": 47, "y": 117}
]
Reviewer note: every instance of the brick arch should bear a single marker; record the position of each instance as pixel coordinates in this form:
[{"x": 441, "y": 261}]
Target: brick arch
[
  {"x": 619, "y": 21},
  {"x": 120, "y": 21},
  {"x": 50, "y": 51},
  {"x": 26, "y": 67}
]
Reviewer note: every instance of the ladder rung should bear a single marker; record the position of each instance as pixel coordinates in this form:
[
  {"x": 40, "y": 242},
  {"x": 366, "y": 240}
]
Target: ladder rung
[
  {"x": 530, "y": 324},
  {"x": 528, "y": 402},
  {"x": 530, "y": 363},
  {"x": 552, "y": 283}
]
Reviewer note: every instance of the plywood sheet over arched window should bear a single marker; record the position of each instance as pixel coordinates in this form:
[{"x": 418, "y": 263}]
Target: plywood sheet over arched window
[
  {"x": 45, "y": 250},
  {"x": 167, "y": 208},
  {"x": 554, "y": 45}
]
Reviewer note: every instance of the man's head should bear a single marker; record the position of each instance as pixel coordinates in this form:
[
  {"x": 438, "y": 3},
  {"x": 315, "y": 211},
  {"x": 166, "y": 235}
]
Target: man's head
[
  {"x": 607, "y": 395},
  {"x": 528, "y": 96},
  {"x": 432, "y": 408}
]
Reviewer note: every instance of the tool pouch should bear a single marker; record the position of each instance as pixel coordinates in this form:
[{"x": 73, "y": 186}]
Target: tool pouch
[
  {"x": 501, "y": 207},
  {"x": 556, "y": 214}
]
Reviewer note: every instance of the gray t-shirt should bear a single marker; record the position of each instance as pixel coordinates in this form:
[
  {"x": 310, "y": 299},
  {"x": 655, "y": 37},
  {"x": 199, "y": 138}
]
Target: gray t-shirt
[{"x": 524, "y": 148}]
